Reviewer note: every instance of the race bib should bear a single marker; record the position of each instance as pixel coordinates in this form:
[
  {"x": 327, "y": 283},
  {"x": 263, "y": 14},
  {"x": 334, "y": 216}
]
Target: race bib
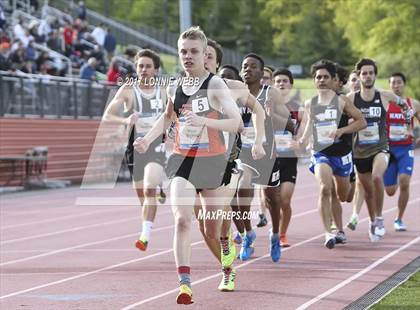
[
  {"x": 275, "y": 176},
  {"x": 200, "y": 105},
  {"x": 156, "y": 104},
  {"x": 283, "y": 140},
  {"x": 248, "y": 136},
  {"x": 345, "y": 160},
  {"x": 145, "y": 123},
  {"x": 375, "y": 111},
  {"x": 192, "y": 137},
  {"x": 330, "y": 114},
  {"x": 398, "y": 132},
  {"x": 325, "y": 132},
  {"x": 369, "y": 135}
]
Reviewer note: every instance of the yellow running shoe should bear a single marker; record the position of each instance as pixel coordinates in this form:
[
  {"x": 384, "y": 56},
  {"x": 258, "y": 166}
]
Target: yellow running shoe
[
  {"x": 184, "y": 296},
  {"x": 228, "y": 255},
  {"x": 228, "y": 280}
]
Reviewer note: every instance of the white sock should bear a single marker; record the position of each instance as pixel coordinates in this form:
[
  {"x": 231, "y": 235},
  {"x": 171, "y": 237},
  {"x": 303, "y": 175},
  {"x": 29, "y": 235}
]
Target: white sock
[{"x": 147, "y": 227}]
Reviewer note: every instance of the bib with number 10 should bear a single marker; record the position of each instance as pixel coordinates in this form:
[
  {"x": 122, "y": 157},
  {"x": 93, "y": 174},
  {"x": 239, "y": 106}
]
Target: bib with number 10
[{"x": 369, "y": 135}]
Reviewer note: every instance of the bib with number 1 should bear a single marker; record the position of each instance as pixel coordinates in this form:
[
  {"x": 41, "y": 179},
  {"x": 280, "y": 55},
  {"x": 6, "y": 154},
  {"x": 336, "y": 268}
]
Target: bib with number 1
[
  {"x": 145, "y": 123},
  {"x": 325, "y": 132}
]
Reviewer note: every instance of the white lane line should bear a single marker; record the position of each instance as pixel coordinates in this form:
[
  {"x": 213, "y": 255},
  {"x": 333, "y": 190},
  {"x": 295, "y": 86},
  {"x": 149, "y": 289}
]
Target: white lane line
[
  {"x": 357, "y": 275},
  {"x": 144, "y": 301},
  {"x": 64, "y": 218},
  {"x": 78, "y": 247},
  {"x": 82, "y": 275},
  {"x": 68, "y": 230},
  {"x": 158, "y": 254}
]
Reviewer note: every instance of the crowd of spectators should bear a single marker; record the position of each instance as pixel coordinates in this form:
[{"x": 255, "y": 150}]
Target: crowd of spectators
[{"x": 90, "y": 50}]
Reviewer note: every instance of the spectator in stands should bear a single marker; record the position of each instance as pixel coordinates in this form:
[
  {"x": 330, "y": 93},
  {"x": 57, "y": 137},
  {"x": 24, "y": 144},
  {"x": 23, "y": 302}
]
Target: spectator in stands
[
  {"x": 5, "y": 63},
  {"x": 2, "y": 18},
  {"x": 88, "y": 71},
  {"x": 43, "y": 59},
  {"x": 68, "y": 39},
  {"x": 4, "y": 38},
  {"x": 34, "y": 5},
  {"x": 98, "y": 54},
  {"x": 113, "y": 72},
  {"x": 26, "y": 38},
  {"x": 44, "y": 29},
  {"x": 110, "y": 44},
  {"x": 18, "y": 29},
  {"x": 17, "y": 57},
  {"x": 81, "y": 11},
  {"x": 30, "y": 52},
  {"x": 54, "y": 41},
  {"x": 99, "y": 34}
]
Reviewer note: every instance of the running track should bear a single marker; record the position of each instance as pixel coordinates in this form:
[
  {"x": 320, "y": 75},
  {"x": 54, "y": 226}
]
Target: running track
[{"x": 73, "y": 249}]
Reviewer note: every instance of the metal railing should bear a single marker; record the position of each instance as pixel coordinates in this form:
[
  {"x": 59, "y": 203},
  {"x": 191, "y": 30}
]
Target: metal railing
[{"x": 23, "y": 95}]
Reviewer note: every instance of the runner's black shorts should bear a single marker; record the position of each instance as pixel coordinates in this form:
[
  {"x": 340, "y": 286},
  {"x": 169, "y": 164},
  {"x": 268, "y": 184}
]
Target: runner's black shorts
[
  {"x": 365, "y": 165},
  {"x": 208, "y": 172},
  {"x": 137, "y": 162}
]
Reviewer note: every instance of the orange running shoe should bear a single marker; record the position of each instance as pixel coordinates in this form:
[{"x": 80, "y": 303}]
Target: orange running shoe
[
  {"x": 283, "y": 241},
  {"x": 184, "y": 296},
  {"x": 141, "y": 244}
]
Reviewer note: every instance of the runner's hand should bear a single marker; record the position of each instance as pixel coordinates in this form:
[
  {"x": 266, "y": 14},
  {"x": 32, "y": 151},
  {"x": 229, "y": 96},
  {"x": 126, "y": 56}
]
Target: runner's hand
[
  {"x": 193, "y": 119},
  {"x": 257, "y": 151},
  {"x": 132, "y": 119},
  {"x": 141, "y": 145}
]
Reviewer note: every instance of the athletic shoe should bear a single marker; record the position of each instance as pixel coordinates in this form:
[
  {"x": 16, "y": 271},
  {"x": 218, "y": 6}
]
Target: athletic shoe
[
  {"x": 399, "y": 226},
  {"x": 353, "y": 222},
  {"x": 263, "y": 220},
  {"x": 238, "y": 238},
  {"x": 227, "y": 256},
  {"x": 330, "y": 241},
  {"x": 141, "y": 244},
  {"x": 283, "y": 241},
  {"x": 275, "y": 250},
  {"x": 184, "y": 296},
  {"x": 247, "y": 248},
  {"x": 372, "y": 236},
  {"x": 228, "y": 280},
  {"x": 379, "y": 227},
  {"x": 340, "y": 237}
]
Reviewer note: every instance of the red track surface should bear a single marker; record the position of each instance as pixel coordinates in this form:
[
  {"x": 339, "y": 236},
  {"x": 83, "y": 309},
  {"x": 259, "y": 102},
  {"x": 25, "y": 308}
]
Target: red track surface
[{"x": 57, "y": 252}]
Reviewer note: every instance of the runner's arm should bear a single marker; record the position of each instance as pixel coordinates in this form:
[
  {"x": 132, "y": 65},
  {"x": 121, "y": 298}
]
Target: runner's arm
[
  {"x": 359, "y": 121},
  {"x": 114, "y": 108}
]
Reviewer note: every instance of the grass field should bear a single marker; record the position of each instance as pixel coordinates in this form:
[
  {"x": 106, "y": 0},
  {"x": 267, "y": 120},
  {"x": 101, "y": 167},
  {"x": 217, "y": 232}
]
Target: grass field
[{"x": 406, "y": 296}]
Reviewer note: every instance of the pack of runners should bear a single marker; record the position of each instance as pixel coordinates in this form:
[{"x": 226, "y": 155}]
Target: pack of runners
[{"x": 221, "y": 134}]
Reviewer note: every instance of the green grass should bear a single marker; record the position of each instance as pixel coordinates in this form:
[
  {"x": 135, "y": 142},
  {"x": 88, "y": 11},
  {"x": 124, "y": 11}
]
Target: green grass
[
  {"x": 307, "y": 88},
  {"x": 406, "y": 296}
]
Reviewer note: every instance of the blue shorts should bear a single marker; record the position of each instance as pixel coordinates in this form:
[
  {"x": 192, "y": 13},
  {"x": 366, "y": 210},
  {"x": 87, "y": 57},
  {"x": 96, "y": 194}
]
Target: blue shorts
[
  {"x": 340, "y": 165},
  {"x": 401, "y": 162}
]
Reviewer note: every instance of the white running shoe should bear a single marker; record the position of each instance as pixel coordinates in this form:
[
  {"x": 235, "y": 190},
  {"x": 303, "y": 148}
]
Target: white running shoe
[
  {"x": 399, "y": 226},
  {"x": 379, "y": 227}
]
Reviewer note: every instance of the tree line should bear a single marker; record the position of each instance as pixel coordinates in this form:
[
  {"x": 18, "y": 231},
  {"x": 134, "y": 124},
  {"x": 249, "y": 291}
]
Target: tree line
[{"x": 296, "y": 31}]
